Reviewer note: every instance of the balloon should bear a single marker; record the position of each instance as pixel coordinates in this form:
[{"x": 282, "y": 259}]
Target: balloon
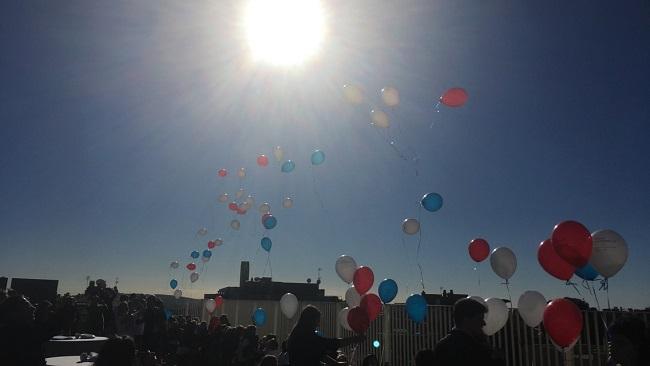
[
  {"x": 194, "y": 277},
  {"x": 202, "y": 231},
  {"x": 563, "y": 322},
  {"x": 222, "y": 172},
  {"x": 416, "y": 307},
  {"x": 387, "y": 290},
  {"x": 531, "y": 307},
  {"x": 259, "y": 317},
  {"x": 609, "y": 253},
  {"x": 178, "y": 294},
  {"x": 210, "y": 305},
  {"x": 241, "y": 173},
  {"x": 352, "y": 297},
  {"x": 454, "y": 97},
  {"x": 371, "y": 304},
  {"x": 211, "y": 244},
  {"x": 497, "y": 315},
  {"x": 342, "y": 318},
  {"x": 266, "y": 244},
  {"x": 249, "y": 200},
  {"x": 431, "y": 202},
  {"x": 289, "y": 305},
  {"x": 278, "y": 153},
  {"x": 218, "y": 300},
  {"x": 288, "y": 166},
  {"x": 207, "y": 253},
  {"x": 287, "y": 202},
  {"x": 205, "y": 259},
  {"x": 241, "y": 210},
  {"x": 345, "y": 268},
  {"x": 173, "y": 284},
  {"x": 223, "y": 198},
  {"x": 191, "y": 266},
  {"x": 411, "y": 226},
  {"x": 218, "y": 242},
  {"x": 174, "y": 264},
  {"x": 587, "y": 272},
  {"x": 235, "y": 224},
  {"x": 262, "y": 160},
  {"x": 358, "y": 320},
  {"x": 269, "y": 222},
  {"x": 195, "y": 254},
  {"x": 479, "y": 249},
  {"x": 552, "y": 263},
  {"x": 379, "y": 118},
  {"x": 232, "y": 206},
  {"x": 478, "y": 299},
  {"x": 503, "y": 262},
  {"x": 572, "y": 242},
  {"x": 265, "y": 208},
  {"x": 353, "y": 94},
  {"x": 390, "y": 96},
  {"x": 240, "y": 193},
  {"x": 363, "y": 279},
  {"x": 317, "y": 157}
]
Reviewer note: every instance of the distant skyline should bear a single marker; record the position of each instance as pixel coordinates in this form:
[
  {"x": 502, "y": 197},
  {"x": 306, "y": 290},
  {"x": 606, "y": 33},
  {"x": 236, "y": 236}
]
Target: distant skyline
[{"x": 116, "y": 118}]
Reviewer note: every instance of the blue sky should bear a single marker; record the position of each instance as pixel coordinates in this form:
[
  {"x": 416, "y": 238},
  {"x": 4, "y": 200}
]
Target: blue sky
[{"x": 116, "y": 117}]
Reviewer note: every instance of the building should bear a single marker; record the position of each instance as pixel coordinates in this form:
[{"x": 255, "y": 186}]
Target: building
[{"x": 446, "y": 298}]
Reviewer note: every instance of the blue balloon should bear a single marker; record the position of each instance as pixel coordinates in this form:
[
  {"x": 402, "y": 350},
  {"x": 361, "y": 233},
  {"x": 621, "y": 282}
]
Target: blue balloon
[
  {"x": 173, "y": 284},
  {"x": 416, "y": 307},
  {"x": 387, "y": 290},
  {"x": 288, "y": 166},
  {"x": 207, "y": 253},
  {"x": 270, "y": 222},
  {"x": 432, "y": 202},
  {"x": 266, "y": 244},
  {"x": 195, "y": 254},
  {"x": 588, "y": 272},
  {"x": 317, "y": 157},
  {"x": 259, "y": 317},
  {"x": 168, "y": 314}
]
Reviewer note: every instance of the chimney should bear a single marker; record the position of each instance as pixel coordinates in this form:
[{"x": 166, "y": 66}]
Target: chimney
[{"x": 244, "y": 273}]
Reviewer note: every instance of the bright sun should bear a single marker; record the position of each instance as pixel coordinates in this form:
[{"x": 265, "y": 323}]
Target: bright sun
[{"x": 284, "y": 32}]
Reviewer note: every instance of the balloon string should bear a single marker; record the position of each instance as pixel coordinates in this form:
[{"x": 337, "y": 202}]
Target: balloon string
[
  {"x": 572, "y": 284},
  {"x": 437, "y": 110},
  {"x": 316, "y": 192},
  {"x": 418, "y": 250},
  {"x": 507, "y": 284}
]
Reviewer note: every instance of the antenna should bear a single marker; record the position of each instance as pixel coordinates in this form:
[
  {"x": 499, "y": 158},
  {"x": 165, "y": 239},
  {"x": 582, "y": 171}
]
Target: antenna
[{"x": 319, "y": 281}]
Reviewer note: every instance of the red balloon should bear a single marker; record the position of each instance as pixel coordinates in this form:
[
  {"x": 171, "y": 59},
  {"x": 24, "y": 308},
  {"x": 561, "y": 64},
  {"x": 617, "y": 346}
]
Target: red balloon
[
  {"x": 563, "y": 322},
  {"x": 191, "y": 266},
  {"x": 211, "y": 244},
  {"x": 262, "y": 160},
  {"x": 552, "y": 262},
  {"x": 363, "y": 279},
  {"x": 218, "y": 300},
  {"x": 572, "y": 242},
  {"x": 222, "y": 172},
  {"x": 454, "y": 97},
  {"x": 371, "y": 304},
  {"x": 479, "y": 249},
  {"x": 233, "y": 206},
  {"x": 358, "y": 319}
]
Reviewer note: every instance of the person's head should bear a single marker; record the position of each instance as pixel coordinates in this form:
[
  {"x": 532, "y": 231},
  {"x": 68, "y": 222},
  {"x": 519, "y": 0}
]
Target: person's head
[
  {"x": 370, "y": 360},
  {"x": 91, "y": 284},
  {"x": 101, "y": 283},
  {"x": 17, "y": 310},
  {"x": 117, "y": 352},
  {"x": 269, "y": 360},
  {"x": 628, "y": 341},
  {"x": 309, "y": 318},
  {"x": 224, "y": 319},
  {"x": 424, "y": 357},
  {"x": 469, "y": 316}
]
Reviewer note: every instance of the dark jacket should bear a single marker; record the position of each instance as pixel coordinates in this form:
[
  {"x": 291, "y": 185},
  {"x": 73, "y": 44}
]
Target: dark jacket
[{"x": 461, "y": 349}]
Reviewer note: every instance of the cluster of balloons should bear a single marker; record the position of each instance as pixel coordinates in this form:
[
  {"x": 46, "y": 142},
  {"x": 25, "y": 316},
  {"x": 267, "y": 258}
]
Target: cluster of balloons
[
  {"x": 212, "y": 304},
  {"x": 205, "y": 256},
  {"x": 431, "y": 202}
]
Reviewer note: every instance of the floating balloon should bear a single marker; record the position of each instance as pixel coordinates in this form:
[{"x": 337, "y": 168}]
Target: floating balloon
[
  {"x": 265, "y": 208},
  {"x": 234, "y": 224},
  {"x": 363, "y": 279},
  {"x": 479, "y": 249},
  {"x": 210, "y": 305},
  {"x": 195, "y": 254},
  {"x": 178, "y": 294},
  {"x": 552, "y": 263},
  {"x": 266, "y": 244},
  {"x": 262, "y": 160},
  {"x": 259, "y": 317},
  {"x": 387, "y": 290},
  {"x": 531, "y": 307},
  {"x": 207, "y": 253},
  {"x": 379, "y": 118},
  {"x": 173, "y": 284},
  {"x": 563, "y": 322},
  {"x": 194, "y": 277},
  {"x": 223, "y": 198},
  {"x": 249, "y": 200},
  {"x": 478, "y": 299},
  {"x": 211, "y": 244},
  {"x": 287, "y": 202},
  {"x": 191, "y": 266},
  {"x": 416, "y": 307},
  {"x": 202, "y": 231},
  {"x": 222, "y": 173},
  {"x": 205, "y": 259},
  {"x": 497, "y": 315},
  {"x": 390, "y": 96},
  {"x": 454, "y": 97},
  {"x": 587, "y": 272},
  {"x": 218, "y": 242},
  {"x": 317, "y": 157},
  {"x": 342, "y": 318},
  {"x": 288, "y": 166},
  {"x": 411, "y": 226},
  {"x": 269, "y": 222},
  {"x": 218, "y": 300},
  {"x": 241, "y": 173},
  {"x": 289, "y": 305},
  {"x": 358, "y": 320},
  {"x": 278, "y": 153},
  {"x": 174, "y": 264},
  {"x": 609, "y": 252},
  {"x": 572, "y": 242},
  {"x": 232, "y": 206},
  {"x": 345, "y": 268},
  {"x": 431, "y": 202},
  {"x": 503, "y": 262},
  {"x": 241, "y": 210},
  {"x": 352, "y": 297},
  {"x": 240, "y": 193},
  {"x": 353, "y": 94},
  {"x": 371, "y": 304}
]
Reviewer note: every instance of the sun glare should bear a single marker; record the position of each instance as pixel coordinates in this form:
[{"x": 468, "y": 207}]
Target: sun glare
[{"x": 284, "y": 32}]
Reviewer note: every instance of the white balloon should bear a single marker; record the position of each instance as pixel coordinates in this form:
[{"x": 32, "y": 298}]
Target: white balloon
[
  {"x": 174, "y": 264},
  {"x": 496, "y": 317},
  {"x": 202, "y": 231},
  {"x": 531, "y": 307},
  {"x": 265, "y": 208},
  {"x": 240, "y": 193},
  {"x": 218, "y": 242},
  {"x": 250, "y": 200},
  {"x": 235, "y": 224},
  {"x": 246, "y": 206},
  {"x": 609, "y": 252},
  {"x": 379, "y": 118},
  {"x": 194, "y": 277},
  {"x": 289, "y": 305},
  {"x": 352, "y": 297},
  {"x": 241, "y": 173},
  {"x": 345, "y": 268},
  {"x": 503, "y": 262},
  {"x": 278, "y": 153},
  {"x": 205, "y": 259},
  {"x": 287, "y": 202},
  {"x": 353, "y": 94},
  {"x": 390, "y": 96},
  {"x": 178, "y": 294},
  {"x": 223, "y": 197},
  {"x": 411, "y": 226},
  {"x": 210, "y": 305},
  {"x": 342, "y": 318}
]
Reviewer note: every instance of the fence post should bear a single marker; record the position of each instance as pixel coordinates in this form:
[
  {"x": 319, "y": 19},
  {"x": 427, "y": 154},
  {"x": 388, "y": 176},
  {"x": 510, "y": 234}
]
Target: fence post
[{"x": 386, "y": 339}]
